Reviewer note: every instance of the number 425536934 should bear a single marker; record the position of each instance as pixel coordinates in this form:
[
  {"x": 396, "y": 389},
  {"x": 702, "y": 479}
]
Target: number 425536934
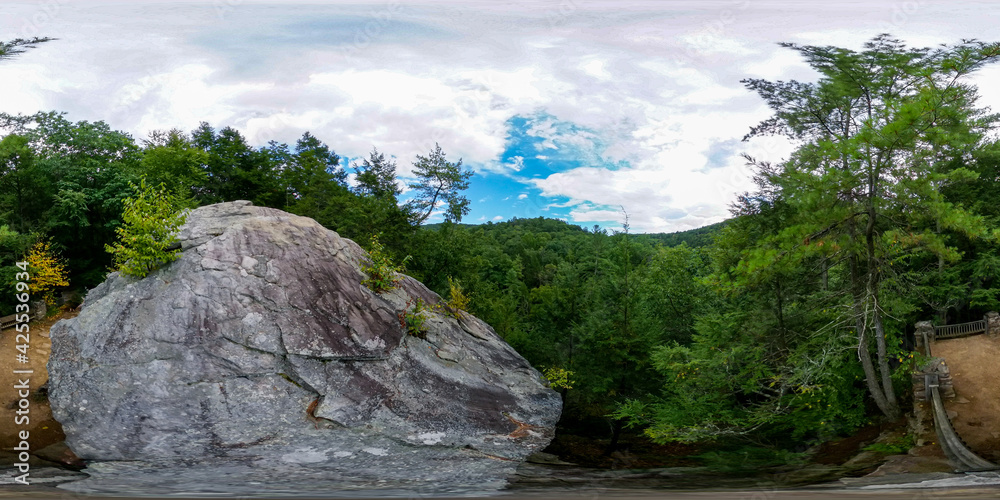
[{"x": 22, "y": 297}]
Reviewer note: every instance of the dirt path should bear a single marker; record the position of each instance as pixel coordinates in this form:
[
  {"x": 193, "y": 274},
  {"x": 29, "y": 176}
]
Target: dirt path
[
  {"x": 43, "y": 430},
  {"x": 974, "y": 363}
]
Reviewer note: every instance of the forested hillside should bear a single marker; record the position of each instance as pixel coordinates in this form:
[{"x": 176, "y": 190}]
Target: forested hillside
[{"x": 789, "y": 322}]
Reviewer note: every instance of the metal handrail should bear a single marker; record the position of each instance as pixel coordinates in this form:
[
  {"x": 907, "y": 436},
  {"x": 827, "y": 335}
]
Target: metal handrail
[{"x": 954, "y": 447}]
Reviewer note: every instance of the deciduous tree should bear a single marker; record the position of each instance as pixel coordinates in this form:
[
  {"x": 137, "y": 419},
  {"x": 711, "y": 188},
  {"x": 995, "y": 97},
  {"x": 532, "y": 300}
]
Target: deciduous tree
[
  {"x": 47, "y": 272},
  {"x": 147, "y": 236}
]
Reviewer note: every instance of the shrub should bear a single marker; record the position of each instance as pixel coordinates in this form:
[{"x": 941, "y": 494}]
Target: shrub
[
  {"x": 147, "y": 236},
  {"x": 559, "y": 378},
  {"x": 382, "y": 272},
  {"x": 458, "y": 302},
  {"x": 412, "y": 320},
  {"x": 48, "y": 271}
]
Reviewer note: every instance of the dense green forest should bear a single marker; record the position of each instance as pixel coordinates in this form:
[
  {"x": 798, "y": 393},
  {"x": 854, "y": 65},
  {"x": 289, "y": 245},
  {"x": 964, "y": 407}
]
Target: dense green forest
[{"x": 789, "y": 323}]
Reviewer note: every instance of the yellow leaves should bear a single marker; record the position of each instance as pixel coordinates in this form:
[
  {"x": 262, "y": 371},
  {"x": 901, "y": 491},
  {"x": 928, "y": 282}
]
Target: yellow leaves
[
  {"x": 47, "y": 272},
  {"x": 559, "y": 378},
  {"x": 458, "y": 301}
]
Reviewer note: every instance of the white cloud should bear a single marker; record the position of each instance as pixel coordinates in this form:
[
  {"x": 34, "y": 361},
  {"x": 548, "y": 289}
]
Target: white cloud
[{"x": 653, "y": 84}]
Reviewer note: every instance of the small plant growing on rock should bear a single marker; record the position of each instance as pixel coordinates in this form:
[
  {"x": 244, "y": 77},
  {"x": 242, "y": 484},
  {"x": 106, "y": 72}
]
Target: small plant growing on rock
[
  {"x": 383, "y": 274},
  {"x": 412, "y": 320},
  {"x": 458, "y": 302},
  {"x": 147, "y": 237}
]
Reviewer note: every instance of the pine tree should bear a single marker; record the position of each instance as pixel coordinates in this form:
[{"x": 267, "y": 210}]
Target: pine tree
[{"x": 878, "y": 134}]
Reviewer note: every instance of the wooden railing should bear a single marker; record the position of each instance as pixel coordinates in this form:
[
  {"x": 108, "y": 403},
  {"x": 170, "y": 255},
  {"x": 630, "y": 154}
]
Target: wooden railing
[
  {"x": 960, "y": 330},
  {"x": 8, "y": 322}
]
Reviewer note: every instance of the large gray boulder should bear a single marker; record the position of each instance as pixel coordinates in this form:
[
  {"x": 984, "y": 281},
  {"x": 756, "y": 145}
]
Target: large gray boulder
[{"x": 261, "y": 343}]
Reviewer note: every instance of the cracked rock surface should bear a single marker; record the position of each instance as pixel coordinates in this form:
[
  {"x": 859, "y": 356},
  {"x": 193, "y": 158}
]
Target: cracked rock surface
[{"x": 260, "y": 343}]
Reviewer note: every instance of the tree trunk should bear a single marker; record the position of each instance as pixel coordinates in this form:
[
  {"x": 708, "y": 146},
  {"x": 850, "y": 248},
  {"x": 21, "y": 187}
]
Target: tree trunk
[
  {"x": 871, "y": 295},
  {"x": 943, "y": 310},
  {"x": 616, "y": 434},
  {"x": 883, "y": 367},
  {"x": 886, "y": 404}
]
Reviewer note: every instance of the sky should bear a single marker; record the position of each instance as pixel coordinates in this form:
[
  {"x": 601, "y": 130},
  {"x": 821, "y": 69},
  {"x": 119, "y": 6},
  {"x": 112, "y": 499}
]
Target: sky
[{"x": 569, "y": 109}]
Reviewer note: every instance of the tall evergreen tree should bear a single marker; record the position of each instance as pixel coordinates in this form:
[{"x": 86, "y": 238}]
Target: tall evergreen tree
[{"x": 876, "y": 132}]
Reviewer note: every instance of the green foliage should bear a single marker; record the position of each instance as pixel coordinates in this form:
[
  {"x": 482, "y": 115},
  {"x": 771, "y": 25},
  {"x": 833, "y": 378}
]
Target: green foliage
[
  {"x": 382, "y": 272},
  {"x": 12, "y": 48},
  {"x": 376, "y": 176},
  {"x": 23, "y": 187},
  {"x": 695, "y": 238},
  {"x": 885, "y": 124},
  {"x": 439, "y": 180},
  {"x": 147, "y": 236},
  {"x": 237, "y": 171},
  {"x": 412, "y": 319},
  {"x": 13, "y": 247},
  {"x": 74, "y": 180},
  {"x": 896, "y": 446},
  {"x": 171, "y": 160},
  {"x": 749, "y": 460},
  {"x": 458, "y": 302},
  {"x": 558, "y": 378}
]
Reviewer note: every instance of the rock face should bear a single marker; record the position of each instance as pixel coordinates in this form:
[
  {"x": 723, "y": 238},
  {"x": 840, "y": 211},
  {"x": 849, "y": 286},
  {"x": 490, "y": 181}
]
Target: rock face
[{"x": 261, "y": 342}]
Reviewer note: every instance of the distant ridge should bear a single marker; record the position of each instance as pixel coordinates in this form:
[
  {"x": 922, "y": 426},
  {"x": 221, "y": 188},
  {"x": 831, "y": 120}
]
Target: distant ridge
[{"x": 698, "y": 237}]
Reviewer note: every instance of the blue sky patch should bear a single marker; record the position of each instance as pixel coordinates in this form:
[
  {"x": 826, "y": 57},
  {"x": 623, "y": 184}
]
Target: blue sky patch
[{"x": 537, "y": 146}]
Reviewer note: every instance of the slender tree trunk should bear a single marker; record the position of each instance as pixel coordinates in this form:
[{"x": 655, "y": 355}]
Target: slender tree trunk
[
  {"x": 616, "y": 434},
  {"x": 858, "y": 282},
  {"x": 781, "y": 316},
  {"x": 883, "y": 367},
  {"x": 861, "y": 324},
  {"x": 943, "y": 308},
  {"x": 870, "y": 295}
]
